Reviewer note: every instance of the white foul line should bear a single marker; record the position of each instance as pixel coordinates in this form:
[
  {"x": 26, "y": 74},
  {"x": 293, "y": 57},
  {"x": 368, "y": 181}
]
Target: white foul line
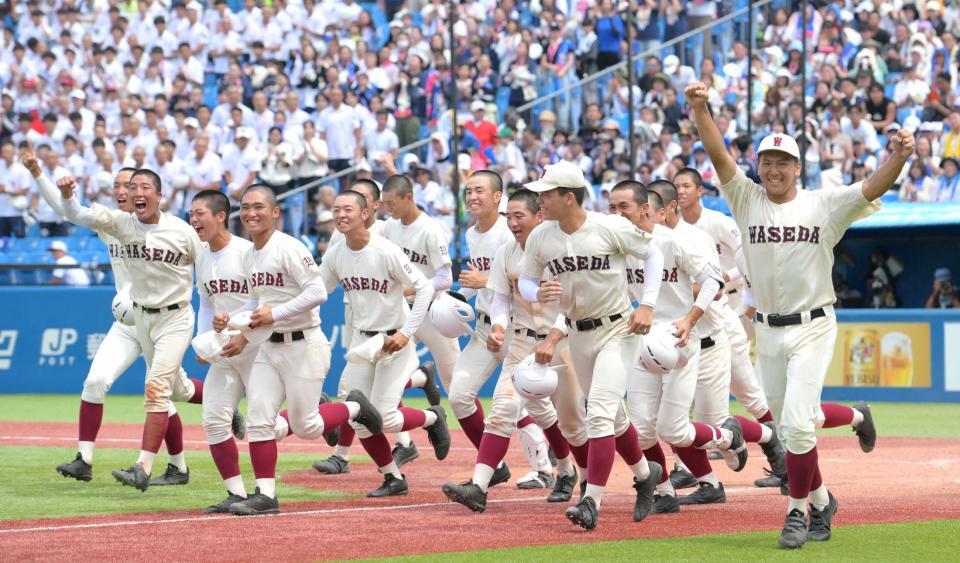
[{"x": 285, "y": 444}]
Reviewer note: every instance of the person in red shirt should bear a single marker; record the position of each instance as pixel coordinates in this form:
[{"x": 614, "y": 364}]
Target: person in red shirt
[{"x": 482, "y": 128}]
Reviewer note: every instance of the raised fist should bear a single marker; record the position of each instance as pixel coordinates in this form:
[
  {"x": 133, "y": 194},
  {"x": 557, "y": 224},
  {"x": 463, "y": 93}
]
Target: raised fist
[
  {"x": 66, "y": 185},
  {"x": 902, "y": 144},
  {"x": 30, "y": 162},
  {"x": 696, "y": 95}
]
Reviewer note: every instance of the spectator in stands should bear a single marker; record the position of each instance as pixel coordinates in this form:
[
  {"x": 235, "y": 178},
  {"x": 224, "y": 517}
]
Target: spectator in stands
[
  {"x": 277, "y": 171},
  {"x": 948, "y": 188},
  {"x": 944, "y": 294},
  {"x": 339, "y": 126},
  {"x": 610, "y": 32},
  {"x": 919, "y": 185},
  {"x": 51, "y": 223},
  {"x": 66, "y": 275},
  {"x": 15, "y": 184}
]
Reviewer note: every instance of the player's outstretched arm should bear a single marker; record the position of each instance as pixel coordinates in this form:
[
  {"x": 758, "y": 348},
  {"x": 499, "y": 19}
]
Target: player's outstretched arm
[
  {"x": 901, "y": 148},
  {"x": 97, "y": 218},
  {"x": 723, "y": 163},
  {"x": 48, "y": 191}
]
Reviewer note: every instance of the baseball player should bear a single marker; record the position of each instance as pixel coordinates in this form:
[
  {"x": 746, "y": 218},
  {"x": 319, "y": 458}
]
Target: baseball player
[
  {"x": 659, "y": 406},
  {"x": 483, "y": 193},
  {"x": 712, "y": 396},
  {"x": 286, "y": 291},
  {"x": 159, "y": 252},
  {"x": 375, "y": 272},
  {"x": 530, "y": 325},
  {"x": 744, "y": 384},
  {"x": 788, "y": 238},
  {"x": 424, "y": 377},
  {"x": 585, "y": 254}
]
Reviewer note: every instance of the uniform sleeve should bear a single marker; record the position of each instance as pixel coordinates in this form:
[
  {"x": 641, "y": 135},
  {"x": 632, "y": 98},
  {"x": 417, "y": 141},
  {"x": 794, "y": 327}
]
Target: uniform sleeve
[
  {"x": 438, "y": 253},
  {"x": 628, "y": 238},
  {"x": 96, "y": 217},
  {"x": 738, "y": 191},
  {"x": 305, "y": 272},
  {"x": 330, "y": 278},
  {"x": 205, "y": 314},
  {"x": 300, "y": 264},
  {"x": 400, "y": 270},
  {"x": 533, "y": 262},
  {"x": 498, "y": 280},
  {"x": 846, "y": 205},
  {"x": 50, "y": 193},
  {"x": 730, "y": 237}
]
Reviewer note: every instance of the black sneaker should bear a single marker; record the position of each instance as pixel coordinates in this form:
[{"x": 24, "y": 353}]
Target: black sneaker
[
  {"x": 238, "y": 426},
  {"x": 705, "y": 494},
  {"x": 539, "y": 481},
  {"x": 736, "y": 454},
  {"x": 500, "y": 475},
  {"x": 552, "y": 457},
  {"x": 223, "y": 507},
  {"x": 77, "y": 469},
  {"x": 333, "y": 465},
  {"x": 645, "y": 489},
  {"x": 584, "y": 514},
  {"x": 172, "y": 476},
  {"x": 563, "y": 488},
  {"x": 776, "y": 456},
  {"x": 391, "y": 487},
  {"x": 820, "y": 520},
  {"x": 665, "y": 504},
  {"x": 794, "y": 533},
  {"x": 439, "y": 434},
  {"x": 583, "y": 489},
  {"x": 405, "y": 454},
  {"x": 468, "y": 494},
  {"x": 430, "y": 388},
  {"x": 867, "y": 431},
  {"x": 256, "y": 504},
  {"x": 369, "y": 416},
  {"x": 770, "y": 481},
  {"x": 682, "y": 479},
  {"x": 134, "y": 476}
]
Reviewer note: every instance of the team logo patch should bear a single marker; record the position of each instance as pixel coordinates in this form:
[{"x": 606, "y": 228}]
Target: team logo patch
[
  {"x": 443, "y": 251},
  {"x": 777, "y": 141},
  {"x": 308, "y": 261},
  {"x": 408, "y": 268}
]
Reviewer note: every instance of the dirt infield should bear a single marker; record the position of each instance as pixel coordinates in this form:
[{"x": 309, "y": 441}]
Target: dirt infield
[{"x": 869, "y": 488}]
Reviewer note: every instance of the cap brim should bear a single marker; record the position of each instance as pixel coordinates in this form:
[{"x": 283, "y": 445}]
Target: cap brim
[
  {"x": 781, "y": 151},
  {"x": 540, "y": 187}
]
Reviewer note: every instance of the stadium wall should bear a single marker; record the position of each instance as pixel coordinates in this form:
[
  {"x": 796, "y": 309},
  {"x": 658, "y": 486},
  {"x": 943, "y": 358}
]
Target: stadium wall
[{"x": 48, "y": 337}]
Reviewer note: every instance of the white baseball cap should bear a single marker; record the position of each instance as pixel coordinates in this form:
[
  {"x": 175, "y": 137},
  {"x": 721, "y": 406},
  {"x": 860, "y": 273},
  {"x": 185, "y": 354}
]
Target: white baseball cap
[
  {"x": 58, "y": 245},
  {"x": 242, "y": 132},
  {"x": 78, "y": 94},
  {"x": 671, "y": 64},
  {"x": 780, "y": 142},
  {"x": 191, "y": 122},
  {"x": 478, "y": 105},
  {"x": 325, "y": 216},
  {"x": 195, "y": 6},
  {"x": 563, "y": 174}
]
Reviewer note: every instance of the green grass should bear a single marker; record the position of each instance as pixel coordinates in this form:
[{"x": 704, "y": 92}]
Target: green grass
[
  {"x": 913, "y": 541},
  {"x": 910, "y": 420},
  {"x": 34, "y": 490}
]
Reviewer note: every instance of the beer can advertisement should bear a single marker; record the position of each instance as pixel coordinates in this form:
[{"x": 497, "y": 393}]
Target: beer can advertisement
[{"x": 881, "y": 355}]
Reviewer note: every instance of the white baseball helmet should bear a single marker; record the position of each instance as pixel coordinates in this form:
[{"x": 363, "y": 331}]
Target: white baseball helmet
[
  {"x": 659, "y": 353},
  {"x": 533, "y": 380},
  {"x": 122, "y": 309},
  {"x": 451, "y": 315}
]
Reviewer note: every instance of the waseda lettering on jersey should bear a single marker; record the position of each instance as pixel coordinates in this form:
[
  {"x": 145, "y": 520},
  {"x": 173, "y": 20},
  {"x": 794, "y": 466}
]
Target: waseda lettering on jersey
[
  {"x": 760, "y": 234},
  {"x": 415, "y": 257},
  {"x": 558, "y": 266},
  {"x": 216, "y": 287},
  {"x": 357, "y": 283},
  {"x": 635, "y": 275},
  {"x": 481, "y": 263},
  {"x": 152, "y": 254},
  {"x": 261, "y": 279},
  {"x": 116, "y": 251}
]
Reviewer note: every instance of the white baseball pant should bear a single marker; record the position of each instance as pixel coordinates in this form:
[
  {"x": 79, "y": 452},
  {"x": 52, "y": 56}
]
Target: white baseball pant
[
  {"x": 744, "y": 383},
  {"x": 382, "y": 381},
  {"x": 659, "y": 406},
  {"x": 223, "y": 388},
  {"x": 445, "y": 351},
  {"x": 472, "y": 370},
  {"x": 567, "y": 408},
  {"x": 164, "y": 337},
  {"x": 602, "y": 359},
  {"x": 294, "y": 370},
  {"x": 793, "y": 362},
  {"x": 711, "y": 401}
]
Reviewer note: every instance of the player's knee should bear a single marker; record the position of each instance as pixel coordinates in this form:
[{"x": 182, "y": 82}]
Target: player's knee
[
  {"x": 392, "y": 420},
  {"x": 461, "y": 399},
  {"x": 575, "y": 434},
  {"x": 675, "y": 434},
  {"x": 95, "y": 391},
  {"x": 798, "y": 438},
  {"x": 647, "y": 434}
]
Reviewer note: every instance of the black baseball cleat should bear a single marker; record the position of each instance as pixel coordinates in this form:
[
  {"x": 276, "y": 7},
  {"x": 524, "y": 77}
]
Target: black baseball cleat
[
  {"x": 665, "y": 504},
  {"x": 705, "y": 494},
  {"x": 776, "y": 456},
  {"x": 584, "y": 513},
  {"x": 77, "y": 469},
  {"x": 172, "y": 476},
  {"x": 583, "y": 489},
  {"x": 682, "y": 479},
  {"x": 438, "y": 433},
  {"x": 736, "y": 454},
  {"x": 866, "y": 431},
  {"x": 256, "y": 504},
  {"x": 645, "y": 489},
  {"x": 468, "y": 494},
  {"x": 134, "y": 476},
  {"x": 405, "y": 454},
  {"x": 794, "y": 533},
  {"x": 770, "y": 481},
  {"x": 500, "y": 475},
  {"x": 715, "y": 455},
  {"x": 223, "y": 507},
  {"x": 820, "y": 520},
  {"x": 238, "y": 426},
  {"x": 430, "y": 388},
  {"x": 369, "y": 416},
  {"x": 563, "y": 488},
  {"x": 391, "y": 487},
  {"x": 552, "y": 457},
  {"x": 540, "y": 481},
  {"x": 333, "y": 465}
]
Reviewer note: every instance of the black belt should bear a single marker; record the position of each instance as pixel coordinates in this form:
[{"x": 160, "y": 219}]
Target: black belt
[
  {"x": 282, "y": 336},
  {"x": 485, "y": 319},
  {"x": 707, "y": 343},
  {"x": 789, "y": 320},
  {"x": 372, "y": 333},
  {"x": 732, "y": 291},
  {"x": 529, "y": 334},
  {"x": 591, "y": 324},
  {"x": 151, "y": 311}
]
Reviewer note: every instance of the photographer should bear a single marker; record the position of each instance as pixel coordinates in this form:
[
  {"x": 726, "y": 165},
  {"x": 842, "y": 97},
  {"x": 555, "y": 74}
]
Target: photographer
[{"x": 944, "y": 294}]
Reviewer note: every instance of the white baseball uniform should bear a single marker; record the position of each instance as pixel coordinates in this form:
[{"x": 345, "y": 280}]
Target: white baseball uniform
[
  {"x": 425, "y": 242},
  {"x": 789, "y": 253},
  {"x": 293, "y": 362},
  {"x": 374, "y": 278}
]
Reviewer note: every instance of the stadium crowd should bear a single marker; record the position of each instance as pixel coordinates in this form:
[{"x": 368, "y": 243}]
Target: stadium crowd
[{"x": 218, "y": 94}]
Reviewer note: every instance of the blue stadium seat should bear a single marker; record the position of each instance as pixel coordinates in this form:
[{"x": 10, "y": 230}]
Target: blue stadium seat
[
  {"x": 96, "y": 244},
  {"x": 83, "y": 231},
  {"x": 107, "y": 278}
]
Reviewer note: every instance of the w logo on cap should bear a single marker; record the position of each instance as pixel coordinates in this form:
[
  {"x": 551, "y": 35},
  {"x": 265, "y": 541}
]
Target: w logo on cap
[{"x": 777, "y": 141}]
